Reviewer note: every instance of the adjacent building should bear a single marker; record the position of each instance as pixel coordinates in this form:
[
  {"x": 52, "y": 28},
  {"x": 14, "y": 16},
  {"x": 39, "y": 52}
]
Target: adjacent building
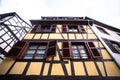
[{"x": 63, "y": 48}]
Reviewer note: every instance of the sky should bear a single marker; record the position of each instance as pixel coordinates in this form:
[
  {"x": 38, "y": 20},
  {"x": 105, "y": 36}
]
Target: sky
[{"x": 106, "y": 11}]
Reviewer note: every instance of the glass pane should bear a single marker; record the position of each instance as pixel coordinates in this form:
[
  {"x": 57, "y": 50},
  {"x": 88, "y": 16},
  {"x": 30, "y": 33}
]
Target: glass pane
[
  {"x": 81, "y": 46},
  {"x": 40, "y": 51},
  {"x": 84, "y": 57},
  {"x": 76, "y": 57},
  {"x": 30, "y": 51},
  {"x": 75, "y": 51},
  {"x": 74, "y": 30},
  {"x": 74, "y": 47},
  {"x": 42, "y": 47},
  {"x": 70, "y": 30},
  {"x": 83, "y": 54},
  {"x": 28, "y": 56},
  {"x": 32, "y": 47},
  {"x": 82, "y": 51},
  {"x": 39, "y": 56}
]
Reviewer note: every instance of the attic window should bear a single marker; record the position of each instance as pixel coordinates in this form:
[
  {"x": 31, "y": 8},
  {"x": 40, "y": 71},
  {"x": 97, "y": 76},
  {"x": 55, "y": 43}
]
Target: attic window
[
  {"x": 102, "y": 30},
  {"x": 114, "y": 46}
]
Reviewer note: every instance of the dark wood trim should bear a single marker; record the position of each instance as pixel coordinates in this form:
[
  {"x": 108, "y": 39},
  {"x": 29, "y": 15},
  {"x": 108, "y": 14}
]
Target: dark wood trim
[
  {"x": 35, "y": 77},
  {"x": 42, "y": 69},
  {"x": 50, "y": 67},
  {"x": 72, "y": 68},
  {"x": 10, "y": 68},
  {"x": 26, "y": 68}
]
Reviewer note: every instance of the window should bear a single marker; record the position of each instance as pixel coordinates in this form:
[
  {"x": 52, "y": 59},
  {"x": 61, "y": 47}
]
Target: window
[
  {"x": 114, "y": 46},
  {"x": 41, "y": 50},
  {"x": 44, "y": 28},
  {"x": 73, "y": 28},
  {"x": 80, "y": 50},
  {"x": 16, "y": 49},
  {"x": 102, "y": 30},
  {"x": 35, "y": 52}
]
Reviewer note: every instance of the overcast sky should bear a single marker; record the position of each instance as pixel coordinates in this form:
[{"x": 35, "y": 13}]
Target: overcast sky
[{"x": 106, "y": 11}]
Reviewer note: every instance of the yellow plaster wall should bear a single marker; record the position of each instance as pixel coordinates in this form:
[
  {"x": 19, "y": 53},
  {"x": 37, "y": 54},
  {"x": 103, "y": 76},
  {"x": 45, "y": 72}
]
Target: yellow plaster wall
[
  {"x": 37, "y": 36},
  {"x": 34, "y": 68},
  {"x": 18, "y": 68},
  {"x": 56, "y": 57},
  {"x": 100, "y": 65},
  {"x": 68, "y": 67},
  {"x": 46, "y": 69},
  {"x": 79, "y": 36},
  {"x": 98, "y": 45},
  {"x": 60, "y": 28},
  {"x": 5, "y": 65},
  {"x": 91, "y": 69},
  {"x": 112, "y": 69},
  {"x": 90, "y": 31},
  {"x": 79, "y": 69},
  {"x": 29, "y": 36},
  {"x": 57, "y": 69},
  {"x": 71, "y": 36},
  {"x": 92, "y": 36},
  {"x": 105, "y": 54},
  {"x": 55, "y": 36},
  {"x": 65, "y": 36},
  {"x": 44, "y": 36},
  {"x": 59, "y": 45}
]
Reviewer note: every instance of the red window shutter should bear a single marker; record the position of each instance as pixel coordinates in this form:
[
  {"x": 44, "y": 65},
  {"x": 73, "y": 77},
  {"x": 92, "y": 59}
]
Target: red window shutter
[
  {"x": 66, "y": 50},
  {"x": 64, "y": 28},
  {"x": 109, "y": 44},
  {"x": 53, "y": 28},
  {"x": 38, "y": 29},
  {"x": 94, "y": 51},
  {"x": 16, "y": 49},
  {"x": 52, "y": 46},
  {"x": 81, "y": 29},
  {"x": 34, "y": 29}
]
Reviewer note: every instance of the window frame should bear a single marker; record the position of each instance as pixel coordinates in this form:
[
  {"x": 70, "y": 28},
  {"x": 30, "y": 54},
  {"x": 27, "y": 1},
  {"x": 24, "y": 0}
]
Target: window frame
[
  {"x": 79, "y": 28},
  {"x": 110, "y": 45},
  {"x": 89, "y": 51},
  {"x": 102, "y": 30},
  {"x": 43, "y": 29}
]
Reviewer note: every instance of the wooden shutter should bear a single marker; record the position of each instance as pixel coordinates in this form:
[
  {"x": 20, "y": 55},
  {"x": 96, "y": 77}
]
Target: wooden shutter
[
  {"x": 38, "y": 29},
  {"x": 34, "y": 29},
  {"x": 66, "y": 50},
  {"x": 53, "y": 29},
  {"x": 64, "y": 28},
  {"x": 81, "y": 29},
  {"x": 16, "y": 49},
  {"x": 94, "y": 51},
  {"x": 52, "y": 46},
  {"x": 109, "y": 44}
]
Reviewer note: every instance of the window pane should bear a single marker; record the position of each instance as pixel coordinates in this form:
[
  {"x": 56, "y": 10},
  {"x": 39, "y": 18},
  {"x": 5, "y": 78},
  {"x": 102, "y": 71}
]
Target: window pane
[
  {"x": 28, "y": 56},
  {"x": 74, "y": 47},
  {"x": 32, "y": 47},
  {"x": 42, "y": 47},
  {"x": 75, "y": 51},
  {"x": 76, "y": 57},
  {"x": 70, "y": 30},
  {"x": 82, "y": 51},
  {"x": 81, "y": 46},
  {"x": 84, "y": 57},
  {"x": 75, "y": 30},
  {"x": 38, "y": 56},
  {"x": 30, "y": 51},
  {"x": 40, "y": 51}
]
